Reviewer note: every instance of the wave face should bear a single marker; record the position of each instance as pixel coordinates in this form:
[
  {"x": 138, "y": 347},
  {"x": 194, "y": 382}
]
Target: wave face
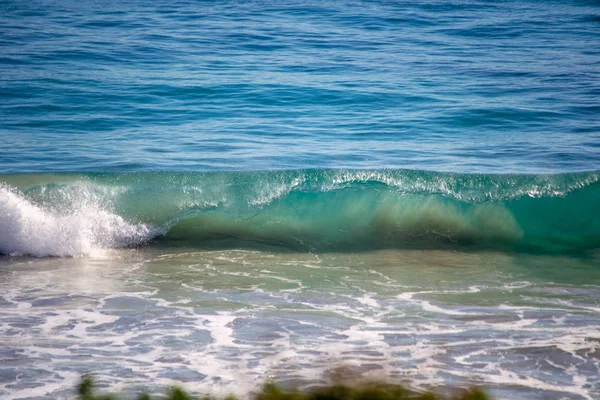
[{"x": 300, "y": 210}]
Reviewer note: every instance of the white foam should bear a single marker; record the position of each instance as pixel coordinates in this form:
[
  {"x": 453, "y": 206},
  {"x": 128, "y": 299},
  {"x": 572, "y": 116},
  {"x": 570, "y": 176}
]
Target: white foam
[
  {"x": 427, "y": 305},
  {"x": 84, "y": 228}
]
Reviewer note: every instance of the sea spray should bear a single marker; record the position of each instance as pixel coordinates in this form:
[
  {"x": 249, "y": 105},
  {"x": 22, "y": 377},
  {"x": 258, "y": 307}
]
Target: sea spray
[{"x": 83, "y": 228}]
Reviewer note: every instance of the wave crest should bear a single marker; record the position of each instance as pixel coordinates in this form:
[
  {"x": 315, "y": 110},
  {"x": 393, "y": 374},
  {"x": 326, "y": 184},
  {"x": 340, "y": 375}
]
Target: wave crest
[{"x": 321, "y": 210}]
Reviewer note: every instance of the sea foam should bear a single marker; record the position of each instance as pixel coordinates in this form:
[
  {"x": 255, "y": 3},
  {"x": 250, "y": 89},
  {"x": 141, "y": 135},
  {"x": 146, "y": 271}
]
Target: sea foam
[{"x": 85, "y": 228}]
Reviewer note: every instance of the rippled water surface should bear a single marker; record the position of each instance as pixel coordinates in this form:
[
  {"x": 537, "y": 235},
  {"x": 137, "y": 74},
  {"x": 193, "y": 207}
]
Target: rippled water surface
[{"x": 441, "y": 85}]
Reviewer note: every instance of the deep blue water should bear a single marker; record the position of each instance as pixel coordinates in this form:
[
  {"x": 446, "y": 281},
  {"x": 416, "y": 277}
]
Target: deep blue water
[{"x": 470, "y": 86}]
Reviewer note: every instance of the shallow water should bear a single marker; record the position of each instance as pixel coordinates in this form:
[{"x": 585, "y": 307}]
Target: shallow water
[{"x": 224, "y": 321}]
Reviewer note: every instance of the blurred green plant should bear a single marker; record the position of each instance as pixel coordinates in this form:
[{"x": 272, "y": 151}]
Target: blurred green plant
[{"x": 270, "y": 391}]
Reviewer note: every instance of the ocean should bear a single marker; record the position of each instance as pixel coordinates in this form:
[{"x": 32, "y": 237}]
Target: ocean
[{"x": 217, "y": 194}]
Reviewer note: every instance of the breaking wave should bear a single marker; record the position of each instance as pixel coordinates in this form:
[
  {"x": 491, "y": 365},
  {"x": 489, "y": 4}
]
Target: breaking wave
[
  {"x": 38, "y": 230},
  {"x": 310, "y": 210}
]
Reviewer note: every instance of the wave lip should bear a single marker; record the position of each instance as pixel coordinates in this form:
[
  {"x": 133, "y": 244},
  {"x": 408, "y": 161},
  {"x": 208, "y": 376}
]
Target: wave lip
[{"x": 30, "y": 229}]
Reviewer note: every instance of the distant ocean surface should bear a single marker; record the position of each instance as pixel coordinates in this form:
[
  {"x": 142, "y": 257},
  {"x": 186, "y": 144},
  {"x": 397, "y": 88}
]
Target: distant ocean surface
[
  {"x": 472, "y": 86},
  {"x": 213, "y": 194}
]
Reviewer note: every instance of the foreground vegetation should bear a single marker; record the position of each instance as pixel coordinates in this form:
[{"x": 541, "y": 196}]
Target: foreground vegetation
[{"x": 374, "y": 391}]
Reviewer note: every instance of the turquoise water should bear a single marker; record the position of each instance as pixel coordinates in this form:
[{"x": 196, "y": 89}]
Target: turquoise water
[
  {"x": 300, "y": 210},
  {"x": 216, "y": 194}
]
